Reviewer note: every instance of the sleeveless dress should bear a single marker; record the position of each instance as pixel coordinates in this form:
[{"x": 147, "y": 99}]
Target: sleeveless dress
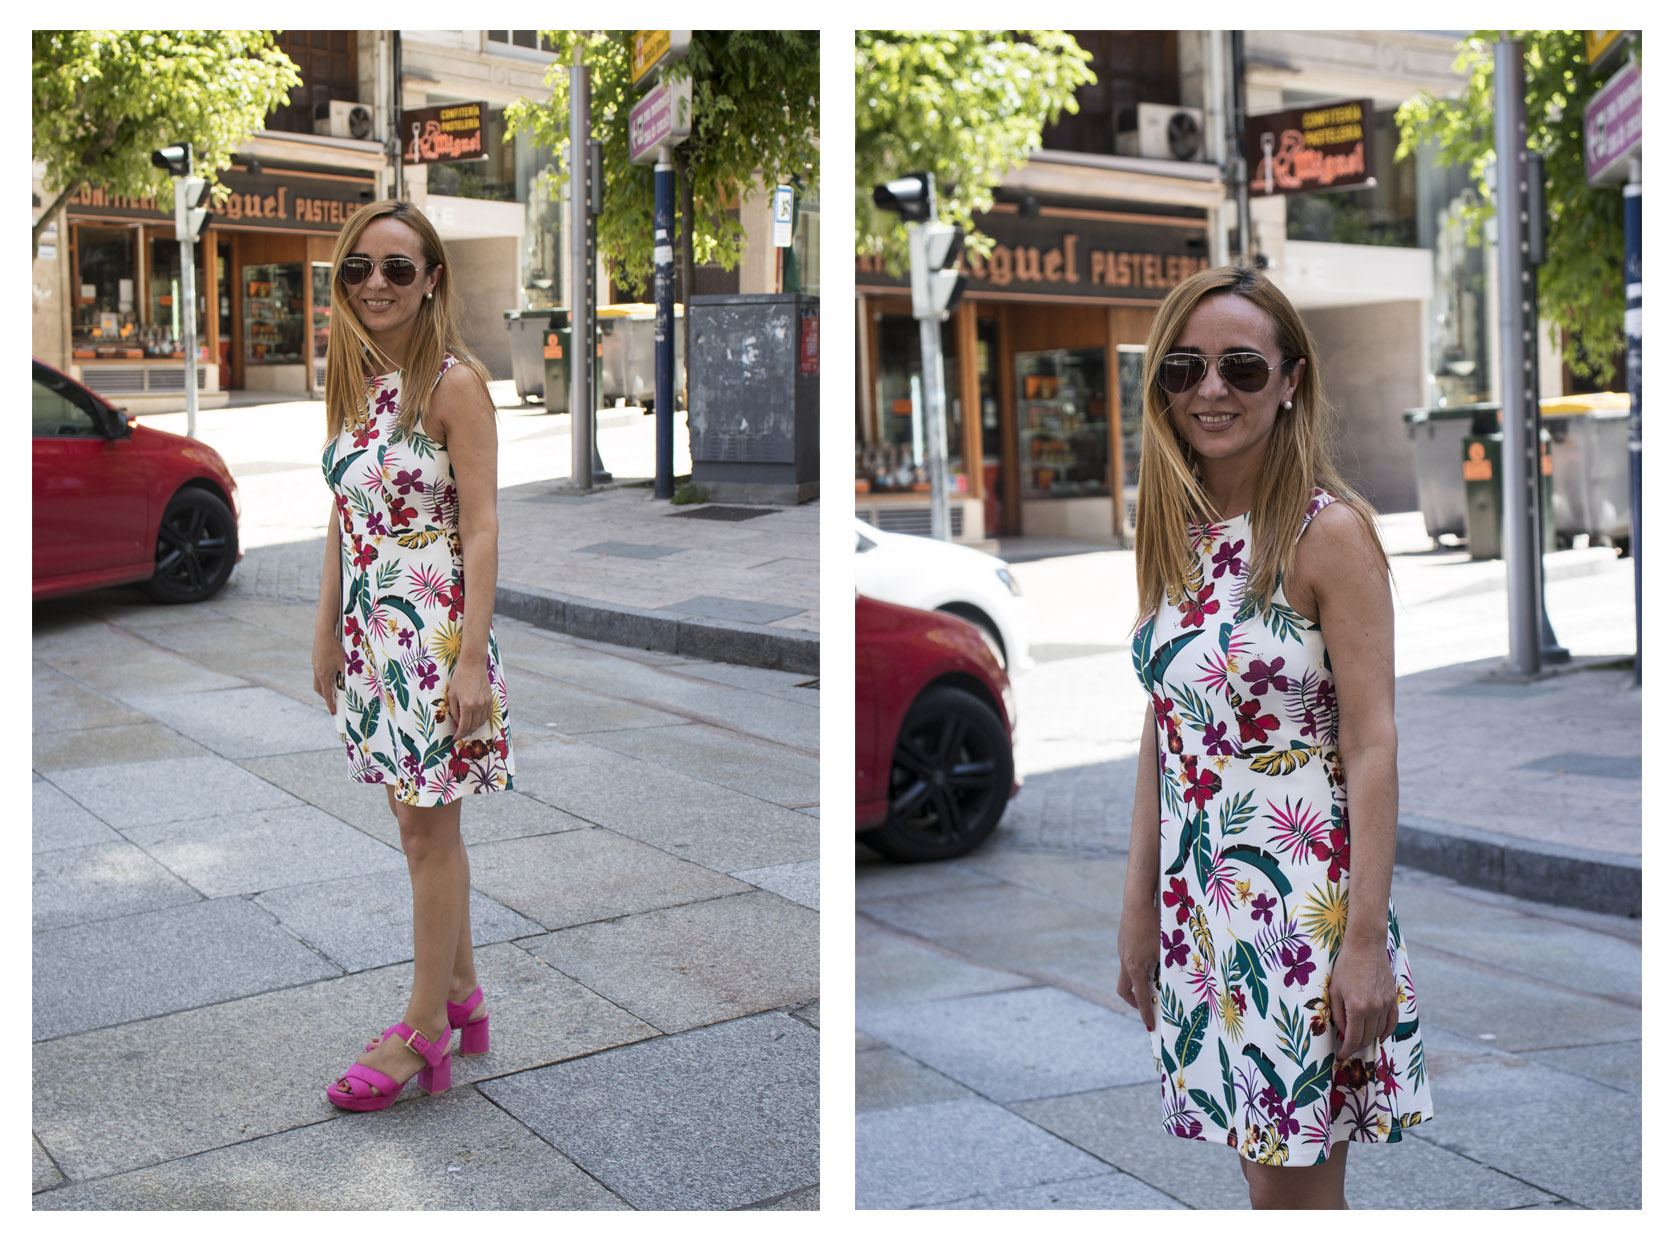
[
  {"x": 1254, "y": 876},
  {"x": 403, "y": 608}
]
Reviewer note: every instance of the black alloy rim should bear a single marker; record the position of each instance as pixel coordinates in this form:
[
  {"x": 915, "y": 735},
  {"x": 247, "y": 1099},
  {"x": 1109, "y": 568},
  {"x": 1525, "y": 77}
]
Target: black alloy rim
[
  {"x": 942, "y": 780},
  {"x": 192, "y": 547}
]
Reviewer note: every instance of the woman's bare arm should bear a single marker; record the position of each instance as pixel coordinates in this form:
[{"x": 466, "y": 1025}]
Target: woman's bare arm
[{"x": 1141, "y": 881}]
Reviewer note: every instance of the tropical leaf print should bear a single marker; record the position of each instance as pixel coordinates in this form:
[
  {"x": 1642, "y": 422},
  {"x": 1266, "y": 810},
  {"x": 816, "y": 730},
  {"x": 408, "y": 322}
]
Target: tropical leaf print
[
  {"x": 445, "y": 643},
  {"x": 1416, "y": 1063},
  {"x": 1294, "y": 1036},
  {"x": 1202, "y": 859},
  {"x": 1189, "y": 832},
  {"x": 1191, "y": 1037},
  {"x": 1284, "y": 761},
  {"x": 387, "y": 573},
  {"x": 1215, "y": 675},
  {"x": 1192, "y": 707},
  {"x": 1237, "y": 812},
  {"x": 405, "y": 608},
  {"x": 342, "y": 467},
  {"x": 1211, "y": 1108},
  {"x": 1265, "y": 1066},
  {"x": 1296, "y": 829},
  {"x": 1226, "y": 1077},
  {"x": 1169, "y": 788},
  {"x": 1264, "y": 862},
  {"x": 427, "y": 584},
  {"x": 396, "y": 679},
  {"x": 1285, "y": 624},
  {"x": 1315, "y": 1079},
  {"x": 1199, "y": 924},
  {"x": 1301, "y": 694},
  {"x": 1248, "y": 967},
  {"x": 1326, "y": 915},
  {"x": 1169, "y": 1006},
  {"x": 1160, "y": 661},
  {"x": 1271, "y": 940},
  {"x": 415, "y": 539}
]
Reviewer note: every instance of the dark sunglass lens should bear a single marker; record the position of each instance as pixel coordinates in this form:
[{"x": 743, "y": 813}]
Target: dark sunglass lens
[
  {"x": 1245, "y": 371},
  {"x": 399, "y": 271},
  {"x": 355, "y": 270},
  {"x": 1178, "y": 373}
]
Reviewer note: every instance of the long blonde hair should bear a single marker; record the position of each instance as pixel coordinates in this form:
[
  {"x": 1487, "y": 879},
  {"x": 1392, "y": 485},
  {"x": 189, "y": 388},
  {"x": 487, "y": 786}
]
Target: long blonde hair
[
  {"x": 1298, "y": 458},
  {"x": 352, "y": 357}
]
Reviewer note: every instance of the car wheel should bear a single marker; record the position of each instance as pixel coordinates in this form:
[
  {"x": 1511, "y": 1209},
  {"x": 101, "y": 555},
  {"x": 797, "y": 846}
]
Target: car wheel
[
  {"x": 197, "y": 545},
  {"x": 985, "y": 628},
  {"x": 950, "y": 778}
]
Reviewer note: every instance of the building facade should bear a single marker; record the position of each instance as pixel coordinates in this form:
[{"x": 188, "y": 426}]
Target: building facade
[{"x": 106, "y": 284}]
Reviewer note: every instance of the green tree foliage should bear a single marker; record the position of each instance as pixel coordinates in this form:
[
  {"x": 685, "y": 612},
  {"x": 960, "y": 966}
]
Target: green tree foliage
[
  {"x": 104, "y": 100},
  {"x": 966, "y": 105},
  {"x": 1581, "y": 281},
  {"x": 755, "y": 113}
]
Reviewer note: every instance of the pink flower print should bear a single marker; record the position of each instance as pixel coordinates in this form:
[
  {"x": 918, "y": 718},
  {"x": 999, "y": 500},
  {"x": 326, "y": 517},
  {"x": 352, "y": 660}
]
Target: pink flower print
[
  {"x": 366, "y": 434},
  {"x": 1174, "y": 948},
  {"x": 1337, "y": 852},
  {"x": 400, "y": 513},
  {"x": 351, "y": 628},
  {"x": 1201, "y": 786},
  {"x": 1177, "y": 894},
  {"x": 456, "y": 600},
  {"x": 427, "y": 674},
  {"x": 408, "y": 480},
  {"x": 375, "y": 524},
  {"x": 405, "y": 637},
  {"x": 386, "y": 402},
  {"x": 1252, "y": 725},
  {"x": 1261, "y": 675},
  {"x": 1298, "y": 965},
  {"x": 1262, "y": 908},
  {"x": 365, "y": 554},
  {"x": 1197, "y": 606},
  {"x": 354, "y": 666},
  {"x": 1215, "y": 739},
  {"x": 1227, "y": 559}
]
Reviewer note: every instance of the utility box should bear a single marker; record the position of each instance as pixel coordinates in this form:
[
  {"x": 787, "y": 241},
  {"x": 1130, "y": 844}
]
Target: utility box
[
  {"x": 753, "y": 410},
  {"x": 1480, "y": 457}
]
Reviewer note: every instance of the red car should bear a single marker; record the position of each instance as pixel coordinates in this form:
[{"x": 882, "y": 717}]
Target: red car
[
  {"x": 934, "y": 722},
  {"x": 117, "y": 502}
]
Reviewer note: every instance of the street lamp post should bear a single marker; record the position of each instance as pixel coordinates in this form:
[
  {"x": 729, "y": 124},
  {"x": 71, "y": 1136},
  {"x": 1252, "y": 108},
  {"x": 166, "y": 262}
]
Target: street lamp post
[{"x": 189, "y": 216}]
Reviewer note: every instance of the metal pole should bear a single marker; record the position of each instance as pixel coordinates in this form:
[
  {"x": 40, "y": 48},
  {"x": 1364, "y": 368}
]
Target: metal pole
[
  {"x": 1236, "y": 147},
  {"x": 1631, "y": 364},
  {"x": 936, "y": 424},
  {"x": 398, "y": 178},
  {"x": 581, "y": 292},
  {"x": 1520, "y": 466},
  {"x": 595, "y": 208},
  {"x": 663, "y": 283},
  {"x": 188, "y": 312}
]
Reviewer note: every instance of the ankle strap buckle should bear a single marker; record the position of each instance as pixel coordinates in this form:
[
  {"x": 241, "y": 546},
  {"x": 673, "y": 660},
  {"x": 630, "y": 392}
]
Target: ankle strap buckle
[{"x": 408, "y": 1040}]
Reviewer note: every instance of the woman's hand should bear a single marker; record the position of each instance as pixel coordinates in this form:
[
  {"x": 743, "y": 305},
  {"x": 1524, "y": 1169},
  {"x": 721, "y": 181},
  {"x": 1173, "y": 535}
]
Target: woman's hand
[
  {"x": 328, "y": 667},
  {"x": 1137, "y": 947},
  {"x": 1363, "y": 997},
  {"x": 468, "y": 697}
]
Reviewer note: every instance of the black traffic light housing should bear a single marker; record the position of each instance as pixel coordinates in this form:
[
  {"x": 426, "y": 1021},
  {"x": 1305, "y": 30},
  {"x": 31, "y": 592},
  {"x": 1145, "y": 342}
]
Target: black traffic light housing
[
  {"x": 908, "y": 196},
  {"x": 177, "y": 159}
]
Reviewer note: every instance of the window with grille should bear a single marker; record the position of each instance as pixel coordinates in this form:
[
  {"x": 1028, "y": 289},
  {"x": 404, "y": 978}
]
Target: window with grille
[
  {"x": 532, "y": 39},
  {"x": 326, "y": 61}
]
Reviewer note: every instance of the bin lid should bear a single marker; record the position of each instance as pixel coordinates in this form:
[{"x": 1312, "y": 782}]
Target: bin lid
[
  {"x": 1585, "y": 402},
  {"x": 633, "y": 310},
  {"x": 1443, "y": 413}
]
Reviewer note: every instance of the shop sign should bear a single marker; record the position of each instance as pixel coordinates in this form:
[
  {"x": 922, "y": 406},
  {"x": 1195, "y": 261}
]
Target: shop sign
[
  {"x": 446, "y": 134},
  {"x": 1611, "y": 128},
  {"x": 1600, "y": 44},
  {"x": 1070, "y": 255},
  {"x": 662, "y": 118},
  {"x": 808, "y": 344},
  {"x": 1306, "y": 150},
  {"x": 274, "y": 200}
]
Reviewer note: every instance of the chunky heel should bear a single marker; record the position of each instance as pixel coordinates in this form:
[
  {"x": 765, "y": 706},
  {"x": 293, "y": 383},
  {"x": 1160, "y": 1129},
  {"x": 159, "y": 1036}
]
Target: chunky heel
[
  {"x": 474, "y": 1037},
  {"x": 436, "y": 1079}
]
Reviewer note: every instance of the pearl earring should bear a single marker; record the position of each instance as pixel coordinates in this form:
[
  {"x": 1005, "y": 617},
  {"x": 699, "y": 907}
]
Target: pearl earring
[
  {"x": 1285, "y": 405},
  {"x": 428, "y": 296}
]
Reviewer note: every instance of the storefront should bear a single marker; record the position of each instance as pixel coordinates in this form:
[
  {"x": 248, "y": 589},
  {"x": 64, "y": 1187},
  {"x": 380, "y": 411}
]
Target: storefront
[
  {"x": 1043, "y": 361},
  {"x": 263, "y": 265}
]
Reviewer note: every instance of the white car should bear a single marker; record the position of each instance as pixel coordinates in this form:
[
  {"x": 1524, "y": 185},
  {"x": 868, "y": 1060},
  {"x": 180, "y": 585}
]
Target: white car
[{"x": 937, "y": 576}]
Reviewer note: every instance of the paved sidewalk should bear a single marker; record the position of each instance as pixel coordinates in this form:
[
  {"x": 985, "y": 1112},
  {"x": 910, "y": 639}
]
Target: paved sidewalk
[
  {"x": 221, "y": 918},
  {"x": 733, "y": 582}
]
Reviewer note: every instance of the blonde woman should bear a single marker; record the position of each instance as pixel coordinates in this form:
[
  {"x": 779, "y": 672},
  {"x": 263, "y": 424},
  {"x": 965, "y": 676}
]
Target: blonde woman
[
  {"x": 404, "y": 649},
  {"x": 1269, "y": 972}
]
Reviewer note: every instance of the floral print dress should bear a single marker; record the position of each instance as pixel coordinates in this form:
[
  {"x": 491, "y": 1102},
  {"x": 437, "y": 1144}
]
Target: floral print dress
[
  {"x": 403, "y": 607},
  {"x": 1254, "y": 875}
]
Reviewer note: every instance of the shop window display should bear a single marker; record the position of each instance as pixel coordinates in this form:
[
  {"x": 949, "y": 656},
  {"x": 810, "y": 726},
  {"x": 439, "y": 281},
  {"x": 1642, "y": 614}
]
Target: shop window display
[
  {"x": 106, "y": 321},
  {"x": 897, "y": 462},
  {"x": 1063, "y": 424},
  {"x": 273, "y": 313}
]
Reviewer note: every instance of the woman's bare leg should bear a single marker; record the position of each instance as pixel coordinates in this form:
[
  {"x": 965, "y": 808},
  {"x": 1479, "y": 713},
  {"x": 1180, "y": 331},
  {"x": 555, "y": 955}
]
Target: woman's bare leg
[{"x": 1316, "y": 1187}]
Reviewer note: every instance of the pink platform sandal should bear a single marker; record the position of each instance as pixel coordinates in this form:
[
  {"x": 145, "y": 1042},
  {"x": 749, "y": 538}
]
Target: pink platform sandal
[
  {"x": 371, "y": 1090},
  {"x": 473, "y": 1034}
]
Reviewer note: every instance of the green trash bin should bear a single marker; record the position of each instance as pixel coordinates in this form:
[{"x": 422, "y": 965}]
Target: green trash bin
[
  {"x": 1480, "y": 466},
  {"x": 555, "y": 361},
  {"x": 1434, "y": 436}
]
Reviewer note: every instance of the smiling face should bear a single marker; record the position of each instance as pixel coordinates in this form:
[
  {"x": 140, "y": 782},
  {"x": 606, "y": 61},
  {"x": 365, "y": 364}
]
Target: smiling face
[
  {"x": 387, "y": 310},
  {"x": 1218, "y": 421}
]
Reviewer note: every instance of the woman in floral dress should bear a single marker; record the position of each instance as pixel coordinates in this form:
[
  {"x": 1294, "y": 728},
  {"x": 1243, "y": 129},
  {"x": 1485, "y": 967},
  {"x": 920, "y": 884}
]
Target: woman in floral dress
[
  {"x": 404, "y": 648},
  {"x": 1271, "y": 975}
]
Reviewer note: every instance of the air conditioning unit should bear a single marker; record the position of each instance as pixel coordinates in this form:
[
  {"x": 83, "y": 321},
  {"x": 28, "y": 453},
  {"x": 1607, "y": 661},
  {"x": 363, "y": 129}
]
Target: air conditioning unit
[
  {"x": 1161, "y": 131},
  {"x": 343, "y": 118}
]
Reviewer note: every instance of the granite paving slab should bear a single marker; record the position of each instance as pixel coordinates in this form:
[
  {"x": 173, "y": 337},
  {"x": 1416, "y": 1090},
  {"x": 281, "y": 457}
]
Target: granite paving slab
[
  {"x": 101, "y": 881},
  {"x": 796, "y": 880},
  {"x": 695, "y": 965},
  {"x": 886, "y": 1079},
  {"x": 58, "y": 822},
  {"x": 138, "y": 669},
  {"x": 1616, "y": 1064},
  {"x": 792, "y": 686},
  {"x": 743, "y": 763},
  {"x": 1473, "y": 999},
  {"x": 940, "y": 1152},
  {"x": 715, "y": 607},
  {"x": 880, "y": 880},
  {"x": 58, "y": 702},
  {"x": 366, "y": 921},
  {"x": 107, "y": 746},
  {"x": 133, "y": 794},
  {"x": 627, "y": 550},
  {"x": 576, "y": 877},
  {"x": 709, "y": 1119},
  {"x": 42, "y": 1173},
  {"x": 892, "y": 970},
  {"x": 259, "y": 850},
  {"x": 1495, "y": 1102},
  {"x": 129, "y": 1097},
  {"x": 249, "y": 722},
  {"x": 809, "y": 1012},
  {"x": 1114, "y": 1191},
  {"x": 678, "y": 813},
  {"x": 1093, "y": 883},
  {"x": 146, "y": 964},
  {"x": 456, "y": 1152},
  {"x": 1018, "y": 1044},
  {"x": 538, "y": 701},
  {"x": 798, "y": 1199}
]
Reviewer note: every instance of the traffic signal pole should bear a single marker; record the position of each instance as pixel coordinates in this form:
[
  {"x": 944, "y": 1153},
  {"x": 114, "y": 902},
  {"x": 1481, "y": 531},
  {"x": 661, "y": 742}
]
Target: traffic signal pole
[
  {"x": 189, "y": 215},
  {"x": 581, "y": 286},
  {"x": 663, "y": 285}
]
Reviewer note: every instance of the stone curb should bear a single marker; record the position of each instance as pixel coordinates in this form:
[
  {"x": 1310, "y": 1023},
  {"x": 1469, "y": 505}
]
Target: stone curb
[
  {"x": 723, "y": 641},
  {"x": 1552, "y": 873}
]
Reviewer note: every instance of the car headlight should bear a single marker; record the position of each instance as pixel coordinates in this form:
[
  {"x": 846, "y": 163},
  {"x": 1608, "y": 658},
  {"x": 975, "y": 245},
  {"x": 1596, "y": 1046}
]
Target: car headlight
[{"x": 1009, "y": 581}]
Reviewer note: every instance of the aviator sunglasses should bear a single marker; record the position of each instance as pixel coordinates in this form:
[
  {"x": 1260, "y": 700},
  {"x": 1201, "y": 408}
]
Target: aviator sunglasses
[
  {"x": 1248, "y": 372},
  {"x": 398, "y": 271}
]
